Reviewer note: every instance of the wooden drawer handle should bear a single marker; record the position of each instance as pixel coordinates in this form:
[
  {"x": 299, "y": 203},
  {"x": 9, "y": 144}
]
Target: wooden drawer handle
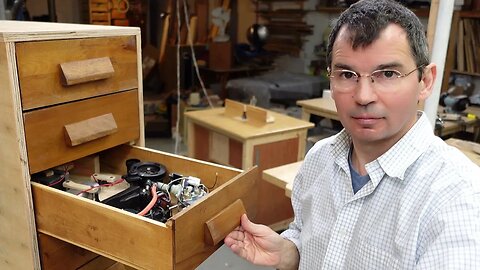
[
  {"x": 86, "y": 70},
  {"x": 90, "y": 129},
  {"x": 223, "y": 223}
]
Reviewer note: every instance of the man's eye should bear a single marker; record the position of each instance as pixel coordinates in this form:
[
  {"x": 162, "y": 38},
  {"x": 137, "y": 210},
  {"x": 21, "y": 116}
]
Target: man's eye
[
  {"x": 347, "y": 75},
  {"x": 387, "y": 74}
]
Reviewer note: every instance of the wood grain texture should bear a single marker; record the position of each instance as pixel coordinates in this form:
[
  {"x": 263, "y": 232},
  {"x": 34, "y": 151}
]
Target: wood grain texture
[
  {"x": 18, "y": 248},
  {"x": 90, "y": 129},
  {"x": 89, "y": 70},
  {"x": 215, "y": 119},
  {"x": 41, "y": 77},
  {"x": 105, "y": 230},
  {"x": 276, "y": 206},
  {"x": 226, "y": 185},
  {"x": 45, "y": 136},
  {"x": 190, "y": 245},
  {"x": 219, "y": 226},
  {"x": 58, "y": 255},
  {"x": 17, "y": 31}
]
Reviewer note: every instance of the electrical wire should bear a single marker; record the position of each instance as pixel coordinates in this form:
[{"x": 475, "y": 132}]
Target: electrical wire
[
  {"x": 195, "y": 64},
  {"x": 177, "y": 124},
  {"x": 150, "y": 205}
]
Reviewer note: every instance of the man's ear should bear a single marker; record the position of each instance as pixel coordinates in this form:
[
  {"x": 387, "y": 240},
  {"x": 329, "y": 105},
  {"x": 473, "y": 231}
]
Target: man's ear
[{"x": 428, "y": 79}]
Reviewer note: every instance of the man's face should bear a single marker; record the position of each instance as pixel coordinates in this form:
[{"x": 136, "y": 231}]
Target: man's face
[{"x": 372, "y": 114}]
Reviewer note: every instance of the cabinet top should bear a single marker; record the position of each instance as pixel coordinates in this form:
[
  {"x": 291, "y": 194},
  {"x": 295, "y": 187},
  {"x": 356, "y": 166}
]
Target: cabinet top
[{"x": 11, "y": 31}]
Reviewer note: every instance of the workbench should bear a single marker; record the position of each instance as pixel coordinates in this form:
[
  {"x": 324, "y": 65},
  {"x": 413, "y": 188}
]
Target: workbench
[{"x": 213, "y": 136}]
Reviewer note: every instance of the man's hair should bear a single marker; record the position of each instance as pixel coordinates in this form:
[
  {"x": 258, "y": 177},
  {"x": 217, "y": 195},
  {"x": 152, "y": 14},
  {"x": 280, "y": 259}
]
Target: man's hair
[{"x": 366, "y": 19}]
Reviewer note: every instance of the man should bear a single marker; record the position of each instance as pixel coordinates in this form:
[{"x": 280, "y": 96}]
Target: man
[{"x": 384, "y": 193}]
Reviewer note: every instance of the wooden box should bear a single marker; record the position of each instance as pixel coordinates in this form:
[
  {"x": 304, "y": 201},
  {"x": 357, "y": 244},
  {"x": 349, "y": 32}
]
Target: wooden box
[
  {"x": 56, "y": 80},
  {"x": 217, "y": 137}
]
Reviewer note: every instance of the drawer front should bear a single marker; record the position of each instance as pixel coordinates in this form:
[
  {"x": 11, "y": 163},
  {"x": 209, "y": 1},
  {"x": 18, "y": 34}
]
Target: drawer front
[
  {"x": 46, "y": 133},
  {"x": 138, "y": 241},
  {"x": 43, "y": 81}
]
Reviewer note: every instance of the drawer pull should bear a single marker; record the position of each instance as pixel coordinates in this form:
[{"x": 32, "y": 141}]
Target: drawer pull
[
  {"x": 90, "y": 129},
  {"x": 86, "y": 70},
  {"x": 223, "y": 223}
]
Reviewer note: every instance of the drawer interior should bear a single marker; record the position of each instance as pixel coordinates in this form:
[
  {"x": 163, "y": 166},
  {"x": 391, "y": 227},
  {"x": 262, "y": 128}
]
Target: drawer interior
[{"x": 179, "y": 243}]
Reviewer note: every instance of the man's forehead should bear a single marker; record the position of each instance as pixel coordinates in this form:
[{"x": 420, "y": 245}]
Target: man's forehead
[{"x": 358, "y": 39}]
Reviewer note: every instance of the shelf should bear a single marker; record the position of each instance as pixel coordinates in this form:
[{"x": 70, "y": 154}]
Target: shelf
[{"x": 466, "y": 73}]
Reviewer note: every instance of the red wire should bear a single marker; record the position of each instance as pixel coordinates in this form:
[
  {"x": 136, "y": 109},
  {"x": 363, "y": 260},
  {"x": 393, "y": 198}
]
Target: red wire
[
  {"x": 118, "y": 181},
  {"x": 152, "y": 202}
]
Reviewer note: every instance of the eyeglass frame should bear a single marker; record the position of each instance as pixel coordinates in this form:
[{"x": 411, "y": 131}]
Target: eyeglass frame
[{"x": 358, "y": 75}]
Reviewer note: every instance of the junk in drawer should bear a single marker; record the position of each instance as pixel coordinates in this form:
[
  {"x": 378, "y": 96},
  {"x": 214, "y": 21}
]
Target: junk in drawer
[
  {"x": 49, "y": 142},
  {"x": 58, "y": 71},
  {"x": 182, "y": 242}
]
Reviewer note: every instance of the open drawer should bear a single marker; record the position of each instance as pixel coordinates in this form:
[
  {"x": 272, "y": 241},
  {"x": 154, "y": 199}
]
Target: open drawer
[{"x": 183, "y": 242}]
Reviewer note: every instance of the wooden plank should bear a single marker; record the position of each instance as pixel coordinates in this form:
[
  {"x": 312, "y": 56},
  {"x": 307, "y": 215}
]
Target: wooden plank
[
  {"x": 234, "y": 108},
  {"x": 59, "y": 255},
  {"x": 15, "y": 31},
  {"x": 266, "y": 156},
  {"x": 49, "y": 122},
  {"x": 190, "y": 245},
  {"x": 283, "y": 175},
  {"x": 102, "y": 229},
  {"x": 40, "y": 76},
  {"x": 235, "y": 153},
  {"x": 201, "y": 7},
  {"x": 219, "y": 226},
  {"x": 202, "y": 143},
  {"x": 89, "y": 70},
  {"x": 18, "y": 248},
  {"x": 90, "y": 129},
  {"x": 451, "y": 53},
  {"x": 219, "y": 148}
]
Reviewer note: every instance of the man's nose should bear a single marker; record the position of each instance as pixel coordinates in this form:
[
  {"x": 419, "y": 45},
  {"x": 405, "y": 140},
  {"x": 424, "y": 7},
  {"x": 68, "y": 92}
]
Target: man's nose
[{"x": 365, "y": 92}]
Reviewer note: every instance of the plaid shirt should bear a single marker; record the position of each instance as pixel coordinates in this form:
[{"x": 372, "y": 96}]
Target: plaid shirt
[{"x": 420, "y": 210}]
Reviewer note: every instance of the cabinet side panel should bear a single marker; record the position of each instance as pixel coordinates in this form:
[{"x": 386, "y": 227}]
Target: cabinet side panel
[
  {"x": 19, "y": 249},
  {"x": 276, "y": 207}
]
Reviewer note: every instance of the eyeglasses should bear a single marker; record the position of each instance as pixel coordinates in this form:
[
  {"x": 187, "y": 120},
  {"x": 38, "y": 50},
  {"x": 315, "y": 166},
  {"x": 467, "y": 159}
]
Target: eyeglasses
[{"x": 344, "y": 80}]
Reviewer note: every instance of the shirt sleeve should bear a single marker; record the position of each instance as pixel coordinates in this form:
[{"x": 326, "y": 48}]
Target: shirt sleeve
[
  {"x": 295, "y": 227},
  {"x": 452, "y": 237}
]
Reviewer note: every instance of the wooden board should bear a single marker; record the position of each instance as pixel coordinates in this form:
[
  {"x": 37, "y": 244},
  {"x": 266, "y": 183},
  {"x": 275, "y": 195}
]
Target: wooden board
[
  {"x": 41, "y": 79},
  {"x": 49, "y": 122},
  {"x": 105, "y": 230},
  {"x": 18, "y": 248},
  {"x": 190, "y": 245},
  {"x": 59, "y": 255},
  {"x": 265, "y": 157},
  {"x": 215, "y": 119}
]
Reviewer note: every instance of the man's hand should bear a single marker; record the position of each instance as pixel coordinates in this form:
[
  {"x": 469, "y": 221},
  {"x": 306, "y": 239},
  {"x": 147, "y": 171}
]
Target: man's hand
[{"x": 262, "y": 246}]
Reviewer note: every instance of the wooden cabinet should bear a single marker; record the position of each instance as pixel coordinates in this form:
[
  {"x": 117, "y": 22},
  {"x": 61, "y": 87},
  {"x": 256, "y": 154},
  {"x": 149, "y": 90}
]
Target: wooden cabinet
[
  {"x": 215, "y": 137},
  {"x": 43, "y": 227}
]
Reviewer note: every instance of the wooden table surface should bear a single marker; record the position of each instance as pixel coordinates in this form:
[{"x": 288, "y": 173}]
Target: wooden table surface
[
  {"x": 470, "y": 149},
  {"x": 216, "y": 120},
  {"x": 283, "y": 176}
]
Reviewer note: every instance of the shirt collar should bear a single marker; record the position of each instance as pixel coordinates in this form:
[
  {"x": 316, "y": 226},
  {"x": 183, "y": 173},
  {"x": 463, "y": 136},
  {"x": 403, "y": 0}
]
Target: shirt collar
[{"x": 399, "y": 157}]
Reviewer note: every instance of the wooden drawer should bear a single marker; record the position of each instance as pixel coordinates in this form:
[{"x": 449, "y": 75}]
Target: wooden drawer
[
  {"x": 46, "y": 136},
  {"x": 43, "y": 83},
  {"x": 138, "y": 241}
]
